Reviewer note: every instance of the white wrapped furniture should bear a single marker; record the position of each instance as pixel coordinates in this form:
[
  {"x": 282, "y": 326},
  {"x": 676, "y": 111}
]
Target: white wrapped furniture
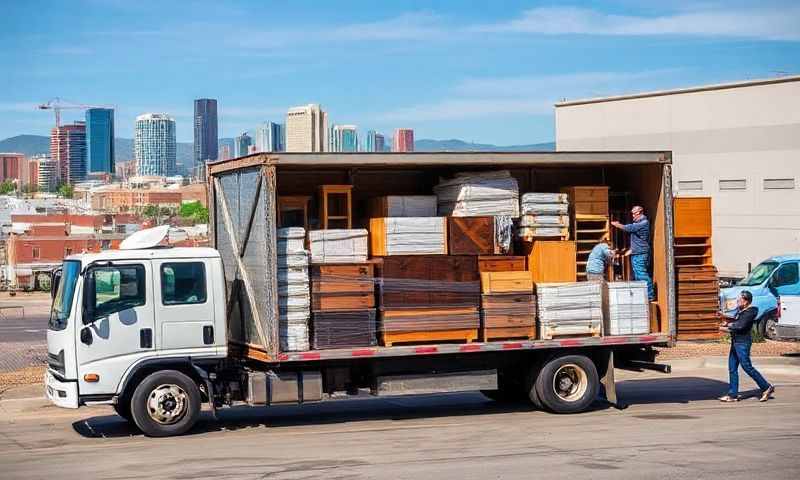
[
  {"x": 626, "y": 308},
  {"x": 294, "y": 299},
  {"x": 570, "y": 309},
  {"x": 338, "y": 246},
  {"x": 475, "y": 194}
]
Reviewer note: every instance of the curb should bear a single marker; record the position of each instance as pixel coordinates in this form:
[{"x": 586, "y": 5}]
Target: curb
[{"x": 767, "y": 364}]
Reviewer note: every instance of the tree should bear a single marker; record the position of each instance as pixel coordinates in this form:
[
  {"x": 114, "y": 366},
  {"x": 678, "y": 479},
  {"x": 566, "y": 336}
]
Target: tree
[
  {"x": 194, "y": 211},
  {"x": 66, "y": 190},
  {"x": 7, "y": 187},
  {"x": 150, "y": 211}
]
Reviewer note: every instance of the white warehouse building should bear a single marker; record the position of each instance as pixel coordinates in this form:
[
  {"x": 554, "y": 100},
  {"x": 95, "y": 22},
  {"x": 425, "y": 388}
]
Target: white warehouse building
[{"x": 738, "y": 143}]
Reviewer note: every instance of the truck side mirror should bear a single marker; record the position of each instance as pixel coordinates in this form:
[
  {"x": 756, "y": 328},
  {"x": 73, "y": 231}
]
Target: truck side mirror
[
  {"x": 86, "y": 336},
  {"x": 89, "y": 299},
  {"x": 54, "y": 282}
]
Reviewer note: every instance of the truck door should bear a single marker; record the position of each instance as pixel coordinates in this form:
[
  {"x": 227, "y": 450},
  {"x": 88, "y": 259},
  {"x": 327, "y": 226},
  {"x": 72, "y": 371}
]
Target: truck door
[
  {"x": 184, "y": 306},
  {"x": 785, "y": 280},
  {"x": 117, "y": 328}
]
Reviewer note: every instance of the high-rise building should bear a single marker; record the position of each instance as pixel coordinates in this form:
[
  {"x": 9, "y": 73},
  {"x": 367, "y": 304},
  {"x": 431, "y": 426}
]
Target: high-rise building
[
  {"x": 206, "y": 142},
  {"x": 224, "y": 152},
  {"x": 11, "y": 166},
  {"x": 44, "y": 173},
  {"x": 241, "y": 144},
  {"x": 403, "y": 140},
  {"x": 306, "y": 129},
  {"x": 68, "y": 149},
  {"x": 344, "y": 138},
  {"x": 154, "y": 144},
  {"x": 375, "y": 142},
  {"x": 100, "y": 140},
  {"x": 270, "y": 137}
]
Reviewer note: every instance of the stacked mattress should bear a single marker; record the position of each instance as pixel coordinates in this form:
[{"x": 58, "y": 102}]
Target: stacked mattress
[
  {"x": 294, "y": 300},
  {"x": 625, "y": 308},
  {"x": 570, "y": 309},
  {"x": 408, "y": 236},
  {"x": 338, "y": 246},
  {"x": 473, "y": 194},
  {"x": 544, "y": 215}
]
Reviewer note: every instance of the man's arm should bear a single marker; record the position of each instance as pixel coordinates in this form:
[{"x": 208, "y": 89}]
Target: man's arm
[{"x": 744, "y": 321}]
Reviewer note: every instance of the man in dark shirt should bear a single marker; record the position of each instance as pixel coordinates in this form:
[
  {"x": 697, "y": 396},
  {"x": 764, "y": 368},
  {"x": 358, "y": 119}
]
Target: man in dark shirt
[
  {"x": 639, "y": 231},
  {"x": 739, "y": 328}
]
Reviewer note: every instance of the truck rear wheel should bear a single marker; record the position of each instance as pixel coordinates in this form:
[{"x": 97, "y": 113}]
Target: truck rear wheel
[
  {"x": 166, "y": 403},
  {"x": 567, "y": 384}
]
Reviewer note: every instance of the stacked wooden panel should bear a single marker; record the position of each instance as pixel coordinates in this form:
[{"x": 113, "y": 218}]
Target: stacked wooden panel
[
  {"x": 569, "y": 309},
  {"x": 544, "y": 216},
  {"x": 698, "y": 281},
  {"x": 338, "y": 246},
  {"x": 626, "y": 309},
  {"x": 590, "y": 221},
  {"x": 343, "y": 301},
  {"x": 428, "y": 298},
  {"x": 484, "y": 235},
  {"x": 408, "y": 236},
  {"x": 293, "y": 296},
  {"x": 508, "y": 306},
  {"x": 473, "y": 194}
]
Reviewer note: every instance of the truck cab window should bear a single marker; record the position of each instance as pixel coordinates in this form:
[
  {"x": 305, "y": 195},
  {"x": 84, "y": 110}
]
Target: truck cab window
[
  {"x": 183, "y": 283},
  {"x": 786, "y": 274},
  {"x": 118, "y": 288}
]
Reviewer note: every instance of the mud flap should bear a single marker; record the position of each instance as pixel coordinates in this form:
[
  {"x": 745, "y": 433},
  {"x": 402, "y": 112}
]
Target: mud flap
[{"x": 609, "y": 384}]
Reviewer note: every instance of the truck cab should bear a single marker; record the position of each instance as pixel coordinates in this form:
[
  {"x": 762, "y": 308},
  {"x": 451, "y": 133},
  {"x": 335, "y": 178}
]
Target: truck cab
[
  {"x": 117, "y": 312},
  {"x": 788, "y": 327},
  {"x": 777, "y": 276}
]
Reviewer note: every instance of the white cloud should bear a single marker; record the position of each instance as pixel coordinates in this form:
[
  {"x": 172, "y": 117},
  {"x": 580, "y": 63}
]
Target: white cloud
[{"x": 766, "y": 22}]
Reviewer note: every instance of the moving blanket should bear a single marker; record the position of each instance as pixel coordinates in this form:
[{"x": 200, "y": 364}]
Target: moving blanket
[
  {"x": 474, "y": 194},
  {"x": 338, "y": 246}
]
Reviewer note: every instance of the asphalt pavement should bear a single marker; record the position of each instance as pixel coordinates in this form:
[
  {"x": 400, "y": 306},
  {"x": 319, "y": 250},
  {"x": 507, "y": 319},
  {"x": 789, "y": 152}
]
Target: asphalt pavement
[
  {"x": 672, "y": 428},
  {"x": 23, "y": 318}
]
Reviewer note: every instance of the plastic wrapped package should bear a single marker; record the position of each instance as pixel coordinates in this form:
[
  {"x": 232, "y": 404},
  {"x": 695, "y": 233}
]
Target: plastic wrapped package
[
  {"x": 570, "y": 309},
  {"x": 543, "y": 220},
  {"x": 545, "y": 209},
  {"x": 344, "y": 329},
  {"x": 403, "y": 206},
  {"x": 338, "y": 246},
  {"x": 626, "y": 308},
  {"x": 472, "y": 194},
  {"x": 408, "y": 236},
  {"x": 538, "y": 197},
  {"x": 294, "y": 300}
]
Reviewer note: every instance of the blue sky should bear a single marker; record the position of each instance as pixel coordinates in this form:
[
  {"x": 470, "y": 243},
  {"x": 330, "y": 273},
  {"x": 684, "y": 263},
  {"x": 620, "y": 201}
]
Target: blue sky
[{"x": 483, "y": 71}]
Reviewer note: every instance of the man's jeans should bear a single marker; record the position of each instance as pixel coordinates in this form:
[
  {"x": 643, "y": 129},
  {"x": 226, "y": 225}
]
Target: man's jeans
[
  {"x": 740, "y": 355},
  {"x": 639, "y": 264}
]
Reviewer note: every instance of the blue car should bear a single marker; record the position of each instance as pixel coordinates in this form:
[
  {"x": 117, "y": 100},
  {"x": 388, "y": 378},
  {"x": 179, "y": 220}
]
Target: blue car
[{"x": 774, "y": 277}]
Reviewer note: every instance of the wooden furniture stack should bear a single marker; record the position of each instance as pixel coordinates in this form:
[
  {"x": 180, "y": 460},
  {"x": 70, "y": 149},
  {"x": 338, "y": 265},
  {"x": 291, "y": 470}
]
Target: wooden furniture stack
[
  {"x": 589, "y": 220},
  {"x": 428, "y": 298},
  {"x": 336, "y": 206},
  {"x": 343, "y": 304},
  {"x": 697, "y": 277},
  {"x": 476, "y": 236},
  {"x": 508, "y": 306},
  {"x": 544, "y": 216}
]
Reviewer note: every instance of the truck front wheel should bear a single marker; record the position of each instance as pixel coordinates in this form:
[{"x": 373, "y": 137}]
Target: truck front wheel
[
  {"x": 166, "y": 403},
  {"x": 567, "y": 384}
]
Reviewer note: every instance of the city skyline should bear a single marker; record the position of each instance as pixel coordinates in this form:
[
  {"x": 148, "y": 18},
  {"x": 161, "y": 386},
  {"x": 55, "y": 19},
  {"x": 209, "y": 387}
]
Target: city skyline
[
  {"x": 450, "y": 70},
  {"x": 155, "y": 144}
]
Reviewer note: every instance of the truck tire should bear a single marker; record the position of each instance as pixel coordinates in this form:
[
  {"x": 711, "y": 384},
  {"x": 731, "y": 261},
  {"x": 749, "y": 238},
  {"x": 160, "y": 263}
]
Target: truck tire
[
  {"x": 165, "y": 403},
  {"x": 530, "y": 385},
  {"x": 567, "y": 384},
  {"x": 768, "y": 327},
  {"x": 123, "y": 409}
]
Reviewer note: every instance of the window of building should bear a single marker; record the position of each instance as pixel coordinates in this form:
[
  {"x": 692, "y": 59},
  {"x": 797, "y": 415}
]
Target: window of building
[
  {"x": 733, "y": 184},
  {"x": 36, "y": 253},
  {"x": 779, "y": 184},
  {"x": 118, "y": 288},
  {"x": 686, "y": 185},
  {"x": 183, "y": 283}
]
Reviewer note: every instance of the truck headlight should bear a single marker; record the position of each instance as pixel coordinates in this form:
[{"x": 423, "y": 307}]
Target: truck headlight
[{"x": 730, "y": 304}]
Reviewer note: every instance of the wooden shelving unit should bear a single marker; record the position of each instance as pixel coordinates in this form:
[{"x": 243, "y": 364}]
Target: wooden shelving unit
[
  {"x": 589, "y": 230},
  {"x": 696, "y": 276},
  {"x": 336, "y": 206}
]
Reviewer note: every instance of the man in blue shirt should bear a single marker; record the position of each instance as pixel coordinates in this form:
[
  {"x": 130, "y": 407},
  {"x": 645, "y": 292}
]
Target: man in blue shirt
[
  {"x": 598, "y": 262},
  {"x": 639, "y": 231}
]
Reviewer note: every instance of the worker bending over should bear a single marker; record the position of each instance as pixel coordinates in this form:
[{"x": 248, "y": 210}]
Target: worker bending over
[{"x": 599, "y": 261}]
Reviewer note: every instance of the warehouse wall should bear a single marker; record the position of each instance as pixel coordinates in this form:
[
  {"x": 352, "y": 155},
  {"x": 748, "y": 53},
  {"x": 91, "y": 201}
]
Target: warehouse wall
[{"x": 736, "y": 145}]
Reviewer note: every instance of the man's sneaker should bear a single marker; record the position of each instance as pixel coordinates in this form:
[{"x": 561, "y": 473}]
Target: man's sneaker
[
  {"x": 767, "y": 393},
  {"x": 728, "y": 398}
]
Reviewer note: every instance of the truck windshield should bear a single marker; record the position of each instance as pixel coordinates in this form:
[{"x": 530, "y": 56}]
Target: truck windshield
[
  {"x": 62, "y": 302},
  {"x": 759, "y": 274}
]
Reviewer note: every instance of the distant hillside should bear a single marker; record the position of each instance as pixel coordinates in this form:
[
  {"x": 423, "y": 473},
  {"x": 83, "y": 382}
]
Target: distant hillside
[
  {"x": 455, "y": 145},
  {"x": 27, "y": 144}
]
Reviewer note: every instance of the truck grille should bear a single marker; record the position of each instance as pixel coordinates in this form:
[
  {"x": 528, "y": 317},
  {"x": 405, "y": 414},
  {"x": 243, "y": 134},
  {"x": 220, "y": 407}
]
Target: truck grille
[{"x": 56, "y": 362}]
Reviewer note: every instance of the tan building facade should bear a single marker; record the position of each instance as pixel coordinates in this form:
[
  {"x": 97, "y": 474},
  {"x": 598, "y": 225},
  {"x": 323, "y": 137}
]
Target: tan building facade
[
  {"x": 738, "y": 143},
  {"x": 306, "y": 129}
]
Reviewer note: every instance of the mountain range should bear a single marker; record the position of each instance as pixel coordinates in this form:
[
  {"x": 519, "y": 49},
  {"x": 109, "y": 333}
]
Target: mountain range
[{"x": 39, "y": 144}]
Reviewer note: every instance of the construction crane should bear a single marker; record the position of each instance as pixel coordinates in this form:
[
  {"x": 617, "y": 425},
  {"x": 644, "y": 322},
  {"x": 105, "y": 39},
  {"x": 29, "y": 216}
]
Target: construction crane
[{"x": 57, "y": 104}]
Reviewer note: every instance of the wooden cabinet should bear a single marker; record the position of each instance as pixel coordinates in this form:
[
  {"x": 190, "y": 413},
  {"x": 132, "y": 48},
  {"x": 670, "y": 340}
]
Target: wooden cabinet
[
  {"x": 552, "y": 261},
  {"x": 429, "y": 281},
  {"x": 501, "y": 263},
  {"x": 342, "y": 287},
  {"x": 293, "y": 211},
  {"x": 692, "y": 216},
  {"x": 587, "y": 200},
  {"x": 506, "y": 282},
  {"x": 336, "y": 206},
  {"x": 471, "y": 236}
]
